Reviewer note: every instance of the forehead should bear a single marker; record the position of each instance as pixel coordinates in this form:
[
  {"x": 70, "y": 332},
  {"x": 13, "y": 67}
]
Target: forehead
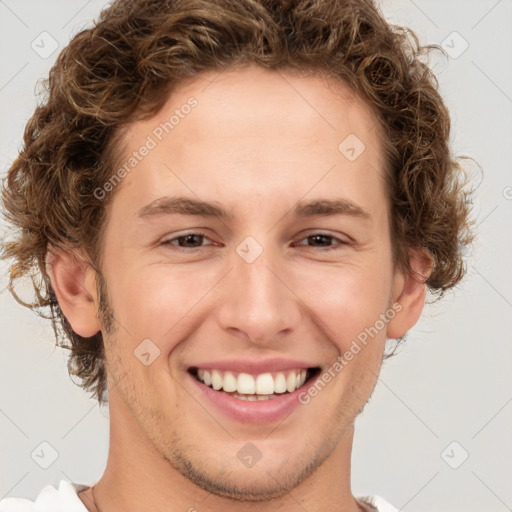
[
  {"x": 256, "y": 129},
  {"x": 309, "y": 105}
]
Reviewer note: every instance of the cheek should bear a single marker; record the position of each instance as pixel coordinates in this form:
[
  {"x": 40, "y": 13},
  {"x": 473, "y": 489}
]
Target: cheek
[
  {"x": 347, "y": 300},
  {"x": 154, "y": 301}
]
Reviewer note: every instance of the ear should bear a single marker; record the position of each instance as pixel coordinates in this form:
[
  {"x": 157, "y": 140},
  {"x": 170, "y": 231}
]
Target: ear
[
  {"x": 73, "y": 281},
  {"x": 410, "y": 291}
]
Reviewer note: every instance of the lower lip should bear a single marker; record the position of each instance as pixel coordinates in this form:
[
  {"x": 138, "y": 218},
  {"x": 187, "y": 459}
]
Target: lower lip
[{"x": 258, "y": 411}]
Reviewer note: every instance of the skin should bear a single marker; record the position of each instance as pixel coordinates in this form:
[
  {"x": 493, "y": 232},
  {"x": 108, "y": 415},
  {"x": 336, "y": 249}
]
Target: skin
[{"x": 257, "y": 142}]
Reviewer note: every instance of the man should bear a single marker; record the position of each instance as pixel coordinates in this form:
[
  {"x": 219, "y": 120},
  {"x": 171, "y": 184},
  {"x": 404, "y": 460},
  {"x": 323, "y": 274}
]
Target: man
[{"x": 233, "y": 205}]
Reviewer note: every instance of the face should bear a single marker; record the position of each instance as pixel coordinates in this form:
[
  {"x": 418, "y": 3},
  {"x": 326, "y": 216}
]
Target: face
[{"x": 283, "y": 270}]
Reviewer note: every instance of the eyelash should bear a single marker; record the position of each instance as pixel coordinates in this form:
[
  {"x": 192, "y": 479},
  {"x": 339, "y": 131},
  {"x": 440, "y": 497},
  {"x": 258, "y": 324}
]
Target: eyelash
[{"x": 323, "y": 249}]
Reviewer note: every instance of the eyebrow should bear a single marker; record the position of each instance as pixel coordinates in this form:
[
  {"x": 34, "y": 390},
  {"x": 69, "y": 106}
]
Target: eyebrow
[
  {"x": 183, "y": 206},
  {"x": 190, "y": 206}
]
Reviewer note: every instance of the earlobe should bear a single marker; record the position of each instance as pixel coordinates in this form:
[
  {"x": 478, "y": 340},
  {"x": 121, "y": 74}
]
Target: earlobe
[
  {"x": 410, "y": 292},
  {"x": 72, "y": 280}
]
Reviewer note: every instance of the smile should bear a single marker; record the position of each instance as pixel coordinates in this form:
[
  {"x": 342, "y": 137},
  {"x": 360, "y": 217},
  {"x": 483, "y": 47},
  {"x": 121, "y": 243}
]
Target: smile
[{"x": 263, "y": 386}]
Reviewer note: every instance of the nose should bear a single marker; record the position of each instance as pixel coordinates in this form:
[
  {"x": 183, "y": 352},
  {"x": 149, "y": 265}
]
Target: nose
[{"x": 258, "y": 301}]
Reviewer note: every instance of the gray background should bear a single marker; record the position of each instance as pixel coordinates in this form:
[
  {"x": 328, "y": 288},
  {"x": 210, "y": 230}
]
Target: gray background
[{"x": 450, "y": 383}]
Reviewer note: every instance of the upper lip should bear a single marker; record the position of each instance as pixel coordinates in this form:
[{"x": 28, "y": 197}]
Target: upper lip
[{"x": 254, "y": 366}]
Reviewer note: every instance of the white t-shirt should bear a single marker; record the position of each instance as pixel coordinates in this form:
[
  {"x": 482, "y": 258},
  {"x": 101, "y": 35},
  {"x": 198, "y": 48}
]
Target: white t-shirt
[{"x": 65, "y": 499}]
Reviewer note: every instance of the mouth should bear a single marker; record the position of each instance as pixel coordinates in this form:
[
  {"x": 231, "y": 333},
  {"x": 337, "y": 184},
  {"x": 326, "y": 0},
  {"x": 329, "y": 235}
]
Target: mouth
[{"x": 255, "y": 387}]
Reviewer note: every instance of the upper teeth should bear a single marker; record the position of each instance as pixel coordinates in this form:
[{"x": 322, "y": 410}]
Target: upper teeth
[{"x": 262, "y": 384}]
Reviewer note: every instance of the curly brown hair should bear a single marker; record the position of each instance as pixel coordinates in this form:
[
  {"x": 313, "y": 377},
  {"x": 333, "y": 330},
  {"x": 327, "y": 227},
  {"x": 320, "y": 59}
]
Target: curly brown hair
[{"x": 123, "y": 68}]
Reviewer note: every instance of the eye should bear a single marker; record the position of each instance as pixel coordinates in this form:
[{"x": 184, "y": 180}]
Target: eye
[
  {"x": 324, "y": 241},
  {"x": 194, "y": 241},
  {"x": 187, "y": 241}
]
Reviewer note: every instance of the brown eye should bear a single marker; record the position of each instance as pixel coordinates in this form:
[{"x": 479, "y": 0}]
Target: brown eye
[
  {"x": 188, "y": 241},
  {"x": 323, "y": 241}
]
